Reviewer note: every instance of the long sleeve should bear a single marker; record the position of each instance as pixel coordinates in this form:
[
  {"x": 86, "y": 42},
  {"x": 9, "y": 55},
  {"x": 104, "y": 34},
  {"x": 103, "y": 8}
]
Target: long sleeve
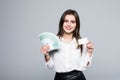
[
  {"x": 85, "y": 59},
  {"x": 49, "y": 64}
]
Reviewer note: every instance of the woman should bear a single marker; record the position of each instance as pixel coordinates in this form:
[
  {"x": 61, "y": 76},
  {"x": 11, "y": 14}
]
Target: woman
[{"x": 70, "y": 60}]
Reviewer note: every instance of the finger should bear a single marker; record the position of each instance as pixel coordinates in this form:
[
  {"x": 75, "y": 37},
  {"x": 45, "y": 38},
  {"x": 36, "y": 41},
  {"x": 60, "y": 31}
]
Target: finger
[
  {"x": 44, "y": 49},
  {"x": 90, "y": 45},
  {"x": 88, "y": 42},
  {"x": 90, "y": 50},
  {"x": 47, "y": 47}
]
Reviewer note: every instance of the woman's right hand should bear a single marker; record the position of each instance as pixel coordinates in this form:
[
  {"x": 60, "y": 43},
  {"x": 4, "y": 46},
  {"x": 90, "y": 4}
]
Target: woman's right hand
[{"x": 44, "y": 49}]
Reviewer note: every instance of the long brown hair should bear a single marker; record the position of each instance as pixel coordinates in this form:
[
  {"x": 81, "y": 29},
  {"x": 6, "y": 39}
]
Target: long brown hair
[{"x": 76, "y": 32}]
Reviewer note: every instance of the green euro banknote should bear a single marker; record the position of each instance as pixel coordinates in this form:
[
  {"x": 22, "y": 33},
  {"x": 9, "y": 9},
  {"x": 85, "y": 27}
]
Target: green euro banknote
[{"x": 49, "y": 38}]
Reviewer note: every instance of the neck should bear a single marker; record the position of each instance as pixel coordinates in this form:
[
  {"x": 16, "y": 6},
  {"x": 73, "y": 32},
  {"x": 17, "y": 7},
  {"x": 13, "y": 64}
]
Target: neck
[{"x": 68, "y": 37}]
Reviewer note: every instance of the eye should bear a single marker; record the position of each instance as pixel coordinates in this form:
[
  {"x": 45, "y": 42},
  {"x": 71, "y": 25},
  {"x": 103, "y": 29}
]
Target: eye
[
  {"x": 66, "y": 21},
  {"x": 73, "y": 21}
]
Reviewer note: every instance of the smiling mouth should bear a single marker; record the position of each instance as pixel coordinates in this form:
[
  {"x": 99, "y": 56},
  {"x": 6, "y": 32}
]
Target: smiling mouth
[{"x": 68, "y": 28}]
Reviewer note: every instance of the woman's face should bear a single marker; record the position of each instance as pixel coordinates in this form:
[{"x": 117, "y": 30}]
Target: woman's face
[{"x": 69, "y": 24}]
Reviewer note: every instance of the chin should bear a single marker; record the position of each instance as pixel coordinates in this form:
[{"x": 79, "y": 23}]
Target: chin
[{"x": 68, "y": 32}]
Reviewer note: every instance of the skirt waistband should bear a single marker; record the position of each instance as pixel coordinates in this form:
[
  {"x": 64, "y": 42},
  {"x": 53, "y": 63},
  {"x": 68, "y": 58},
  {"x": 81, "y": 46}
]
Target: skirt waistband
[
  {"x": 72, "y": 75},
  {"x": 69, "y": 73}
]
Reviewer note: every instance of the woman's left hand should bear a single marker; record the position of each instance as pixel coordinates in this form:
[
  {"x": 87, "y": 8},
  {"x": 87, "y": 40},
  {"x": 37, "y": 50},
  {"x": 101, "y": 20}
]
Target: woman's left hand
[{"x": 90, "y": 47}]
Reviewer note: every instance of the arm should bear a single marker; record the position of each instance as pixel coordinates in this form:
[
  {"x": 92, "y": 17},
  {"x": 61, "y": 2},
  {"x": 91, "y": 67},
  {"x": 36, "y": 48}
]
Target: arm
[
  {"x": 87, "y": 57},
  {"x": 47, "y": 57},
  {"x": 48, "y": 60},
  {"x": 86, "y": 61}
]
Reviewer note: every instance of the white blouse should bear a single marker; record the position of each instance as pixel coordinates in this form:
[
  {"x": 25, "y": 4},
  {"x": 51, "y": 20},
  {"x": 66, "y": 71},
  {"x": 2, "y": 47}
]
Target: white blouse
[{"x": 69, "y": 58}]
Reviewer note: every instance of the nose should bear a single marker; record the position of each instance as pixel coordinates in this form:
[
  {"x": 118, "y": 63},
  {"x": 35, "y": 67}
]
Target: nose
[{"x": 69, "y": 24}]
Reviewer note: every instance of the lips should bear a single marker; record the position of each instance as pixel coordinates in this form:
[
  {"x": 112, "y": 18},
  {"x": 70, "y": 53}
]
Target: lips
[{"x": 68, "y": 28}]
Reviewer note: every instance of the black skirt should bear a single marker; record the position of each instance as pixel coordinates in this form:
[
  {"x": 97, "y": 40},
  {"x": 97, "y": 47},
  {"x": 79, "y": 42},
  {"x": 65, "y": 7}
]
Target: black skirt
[{"x": 73, "y": 75}]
